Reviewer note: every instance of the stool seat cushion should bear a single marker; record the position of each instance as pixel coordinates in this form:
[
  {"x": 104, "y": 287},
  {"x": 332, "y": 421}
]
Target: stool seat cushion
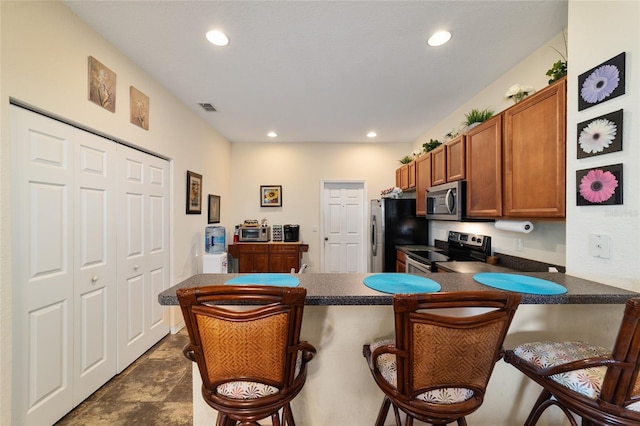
[
  {"x": 387, "y": 365},
  {"x": 253, "y": 390},
  {"x": 587, "y": 381}
]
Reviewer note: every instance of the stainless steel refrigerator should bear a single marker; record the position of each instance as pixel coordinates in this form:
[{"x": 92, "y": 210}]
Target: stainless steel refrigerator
[{"x": 393, "y": 222}]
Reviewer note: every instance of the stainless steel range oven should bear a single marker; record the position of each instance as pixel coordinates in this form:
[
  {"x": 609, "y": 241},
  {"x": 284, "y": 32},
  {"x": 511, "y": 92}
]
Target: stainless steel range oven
[{"x": 460, "y": 247}]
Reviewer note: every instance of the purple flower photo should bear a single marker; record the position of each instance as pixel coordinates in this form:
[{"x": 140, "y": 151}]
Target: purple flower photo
[
  {"x": 599, "y": 186},
  {"x": 600, "y": 135},
  {"x": 601, "y": 83}
]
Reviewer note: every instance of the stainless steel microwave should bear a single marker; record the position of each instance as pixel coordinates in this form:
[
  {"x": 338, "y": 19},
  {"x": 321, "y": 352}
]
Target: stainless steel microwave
[
  {"x": 254, "y": 234},
  {"x": 447, "y": 201}
]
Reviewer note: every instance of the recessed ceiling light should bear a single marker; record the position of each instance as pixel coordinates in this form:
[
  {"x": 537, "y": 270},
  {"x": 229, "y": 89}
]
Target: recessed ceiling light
[
  {"x": 272, "y": 134},
  {"x": 218, "y": 38},
  {"x": 372, "y": 134},
  {"x": 439, "y": 38}
]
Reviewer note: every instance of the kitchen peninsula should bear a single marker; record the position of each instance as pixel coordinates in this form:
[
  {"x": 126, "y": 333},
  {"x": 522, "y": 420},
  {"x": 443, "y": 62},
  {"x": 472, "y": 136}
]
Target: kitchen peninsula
[{"x": 342, "y": 314}]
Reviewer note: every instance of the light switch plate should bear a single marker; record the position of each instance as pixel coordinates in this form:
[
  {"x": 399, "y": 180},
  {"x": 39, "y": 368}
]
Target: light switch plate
[{"x": 600, "y": 245}]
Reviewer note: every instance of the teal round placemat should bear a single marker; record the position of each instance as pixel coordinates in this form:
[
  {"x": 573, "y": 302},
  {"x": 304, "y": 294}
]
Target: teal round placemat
[
  {"x": 282, "y": 280},
  {"x": 397, "y": 283},
  {"x": 519, "y": 283}
]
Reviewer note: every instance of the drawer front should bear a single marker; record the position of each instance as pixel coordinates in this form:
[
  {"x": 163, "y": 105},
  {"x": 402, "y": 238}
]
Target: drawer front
[
  {"x": 253, "y": 248},
  {"x": 284, "y": 248}
]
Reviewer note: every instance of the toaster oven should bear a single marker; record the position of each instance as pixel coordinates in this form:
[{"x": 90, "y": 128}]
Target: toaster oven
[{"x": 254, "y": 234}]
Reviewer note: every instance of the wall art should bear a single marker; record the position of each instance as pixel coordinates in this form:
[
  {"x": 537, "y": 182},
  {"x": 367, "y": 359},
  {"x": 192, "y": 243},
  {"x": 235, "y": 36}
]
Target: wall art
[
  {"x": 102, "y": 85},
  {"x": 270, "y": 196},
  {"x": 139, "y": 108},
  {"x": 600, "y": 135},
  {"x": 214, "y": 208},
  {"x": 599, "y": 186},
  {"x": 194, "y": 193},
  {"x": 601, "y": 83}
]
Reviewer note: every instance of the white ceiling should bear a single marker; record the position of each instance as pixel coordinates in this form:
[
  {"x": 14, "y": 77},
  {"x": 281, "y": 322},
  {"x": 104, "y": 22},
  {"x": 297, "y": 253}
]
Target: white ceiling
[{"x": 324, "y": 71}]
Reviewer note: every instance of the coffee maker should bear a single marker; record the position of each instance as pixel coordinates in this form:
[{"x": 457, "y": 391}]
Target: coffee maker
[{"x": 291, "y": 233}]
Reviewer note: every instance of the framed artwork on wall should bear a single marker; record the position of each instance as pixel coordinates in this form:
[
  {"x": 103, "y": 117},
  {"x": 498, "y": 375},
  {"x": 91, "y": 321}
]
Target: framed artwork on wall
[
  {"x": 601, "y": 83},
  {"x": 194, "y": 193},
  {"x": 102, "y": 85},
  {"x": 139, "y": 108},
  {"x": 270, "y": 195},
  {"x": 600, "y": 135},
  {"x": 599, "y": 186},
  {"x": 214, "y": 208}
]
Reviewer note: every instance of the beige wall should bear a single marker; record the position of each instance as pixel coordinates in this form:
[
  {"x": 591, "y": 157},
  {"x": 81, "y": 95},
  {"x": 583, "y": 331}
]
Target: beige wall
[
  {"x": 590, "y": 48},
  {"x": 44, "y": 63},
  {"x": 300, "y": 168}
]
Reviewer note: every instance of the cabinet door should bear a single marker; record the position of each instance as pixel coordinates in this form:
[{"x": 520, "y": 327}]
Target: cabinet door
[
  {"x": 401, "y": 258},
  {"x": 534, "y": 154},
  {"x": 484, "y": 169},
  {"x": 412, "y": 174},
  {"x": 404, "y": 177},
  {"x": 439, "y": 165},
  {"x": 455, "y": 156},
  {"x": 284, "y": 258},
  {"x": 253, "y": 258},
  {"x": 399, "y": 177},
  {"x": 423, "y": 182}
]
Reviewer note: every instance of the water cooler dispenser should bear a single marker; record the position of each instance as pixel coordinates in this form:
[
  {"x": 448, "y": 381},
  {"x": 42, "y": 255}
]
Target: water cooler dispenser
[{"x": 214, "y": 259}]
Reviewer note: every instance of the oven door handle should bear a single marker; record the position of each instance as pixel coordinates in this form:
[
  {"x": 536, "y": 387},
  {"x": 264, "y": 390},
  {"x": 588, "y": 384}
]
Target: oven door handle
[{"x": 450, "y": 201}]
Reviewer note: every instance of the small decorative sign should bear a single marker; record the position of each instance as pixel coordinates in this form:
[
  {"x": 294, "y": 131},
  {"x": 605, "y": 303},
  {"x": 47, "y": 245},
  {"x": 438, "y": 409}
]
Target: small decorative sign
[{"x": 271, "y": 196}]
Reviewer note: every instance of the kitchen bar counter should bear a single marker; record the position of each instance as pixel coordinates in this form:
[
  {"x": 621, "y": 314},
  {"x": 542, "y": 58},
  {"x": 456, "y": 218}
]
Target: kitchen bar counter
[
  {"x": 348, "y": 289},
  {"x": 342, "y": 314}
]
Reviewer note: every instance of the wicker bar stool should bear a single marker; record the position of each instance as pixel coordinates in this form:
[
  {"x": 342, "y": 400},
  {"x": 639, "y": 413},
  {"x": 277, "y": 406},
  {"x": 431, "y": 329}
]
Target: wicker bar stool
[
  {"x": 599, "y": 385},
  {"x": 246, "y": 342},
  {"x": 438, "y": 367}
]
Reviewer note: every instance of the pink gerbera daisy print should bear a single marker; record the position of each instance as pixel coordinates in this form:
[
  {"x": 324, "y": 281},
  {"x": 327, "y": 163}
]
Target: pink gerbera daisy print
[{"x": 597, "y": 186}]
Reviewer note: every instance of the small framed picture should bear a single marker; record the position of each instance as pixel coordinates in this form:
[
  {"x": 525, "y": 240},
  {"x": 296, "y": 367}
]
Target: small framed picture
[
  {"x": 270, "y": 195},
  {"x": 214, "y": 208},
  {"x": 600, "y": 135},
  {"x": 138, "y": 108},
  {"x": 102, "y": 85},
  {"x": 602, "y": 83},
  {"x": 599, "y": 186},
  {"x": 194, "y": 193}
]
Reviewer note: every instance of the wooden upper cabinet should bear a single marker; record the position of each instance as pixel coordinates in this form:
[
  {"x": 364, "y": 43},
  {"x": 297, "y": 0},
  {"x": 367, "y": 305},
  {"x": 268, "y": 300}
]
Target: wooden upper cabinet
[
  {"x": 423, "y": 182},
  {"x": 484, "y": 169},
  {"x": 402, "y": 177},
  {"x": 455, "y": 157},
  {"x": 412, "y": 174},
  {"x": 534, "y": 154},
  {"x": 439, "y": 165}
]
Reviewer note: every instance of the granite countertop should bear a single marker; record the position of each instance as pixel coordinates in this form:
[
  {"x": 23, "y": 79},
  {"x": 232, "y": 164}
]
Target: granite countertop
[{"x": 348, "y": 289}]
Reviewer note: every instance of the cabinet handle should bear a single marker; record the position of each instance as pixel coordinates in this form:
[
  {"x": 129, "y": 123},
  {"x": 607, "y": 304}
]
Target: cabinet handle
[
  {"x": 136, "y": 267},
  {"x": 94, "y": 279}
]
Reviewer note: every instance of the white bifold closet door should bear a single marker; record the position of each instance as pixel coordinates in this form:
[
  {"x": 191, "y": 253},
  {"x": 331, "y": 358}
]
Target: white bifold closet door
[
  {"x": 68, "y": 314},
  {"x": 143, "y": 252}
]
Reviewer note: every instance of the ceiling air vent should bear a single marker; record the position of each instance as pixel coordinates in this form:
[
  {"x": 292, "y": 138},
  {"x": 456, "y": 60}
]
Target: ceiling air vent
[{"x": 207, "y": 106}]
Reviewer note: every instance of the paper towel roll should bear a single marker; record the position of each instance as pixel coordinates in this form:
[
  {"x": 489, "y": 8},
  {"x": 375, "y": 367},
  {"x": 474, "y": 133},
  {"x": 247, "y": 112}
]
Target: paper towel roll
[{"x": 523, "y": 226}]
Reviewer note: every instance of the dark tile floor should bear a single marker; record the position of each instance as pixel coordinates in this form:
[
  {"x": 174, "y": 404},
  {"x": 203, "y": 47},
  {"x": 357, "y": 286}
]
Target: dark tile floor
[{"x": 154, "y": 390}]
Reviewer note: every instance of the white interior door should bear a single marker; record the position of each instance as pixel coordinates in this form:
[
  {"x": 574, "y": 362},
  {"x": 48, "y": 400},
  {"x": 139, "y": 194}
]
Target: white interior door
[
  {"x": 344, "y": 231},
  {"x": 95, "y": 276},
  {"x": 143, "y": 252},
  {"x": 42, "y": 202}
]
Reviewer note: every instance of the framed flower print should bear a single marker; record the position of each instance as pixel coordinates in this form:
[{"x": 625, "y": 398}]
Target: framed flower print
[
  {"x": 600, "y": 135},
  {"x": 270, "y": 195},
  {"x": 599, "y": 186},
  {"x": 601, "y": 83}
]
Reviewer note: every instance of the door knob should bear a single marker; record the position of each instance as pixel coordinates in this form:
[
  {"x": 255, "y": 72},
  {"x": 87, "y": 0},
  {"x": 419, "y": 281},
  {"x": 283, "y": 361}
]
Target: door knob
[{"x": 326, "y": 238}]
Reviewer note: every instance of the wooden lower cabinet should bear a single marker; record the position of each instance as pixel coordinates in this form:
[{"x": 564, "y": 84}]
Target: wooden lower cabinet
[
  {"x": 268, "y": 257},
  {"x": 401, "y": 259}
]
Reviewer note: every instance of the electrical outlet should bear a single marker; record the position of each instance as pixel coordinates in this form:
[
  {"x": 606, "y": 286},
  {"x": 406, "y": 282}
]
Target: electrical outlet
[{"x": 600, "y": 245}]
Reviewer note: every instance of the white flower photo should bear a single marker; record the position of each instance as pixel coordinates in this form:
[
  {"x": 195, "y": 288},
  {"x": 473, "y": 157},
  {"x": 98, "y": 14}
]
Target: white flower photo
[{"x": 600, "y": 135}]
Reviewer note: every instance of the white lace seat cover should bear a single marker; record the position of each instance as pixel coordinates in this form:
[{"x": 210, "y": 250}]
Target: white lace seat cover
[
  {"x": 387, "y": 365},
  {"x": 252, "y": 390},
  {"x": 587, "y": 381}
]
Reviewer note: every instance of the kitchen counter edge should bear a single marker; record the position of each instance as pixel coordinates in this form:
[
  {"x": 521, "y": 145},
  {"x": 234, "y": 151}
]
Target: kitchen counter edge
[{"x": 326, "y": 289}]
